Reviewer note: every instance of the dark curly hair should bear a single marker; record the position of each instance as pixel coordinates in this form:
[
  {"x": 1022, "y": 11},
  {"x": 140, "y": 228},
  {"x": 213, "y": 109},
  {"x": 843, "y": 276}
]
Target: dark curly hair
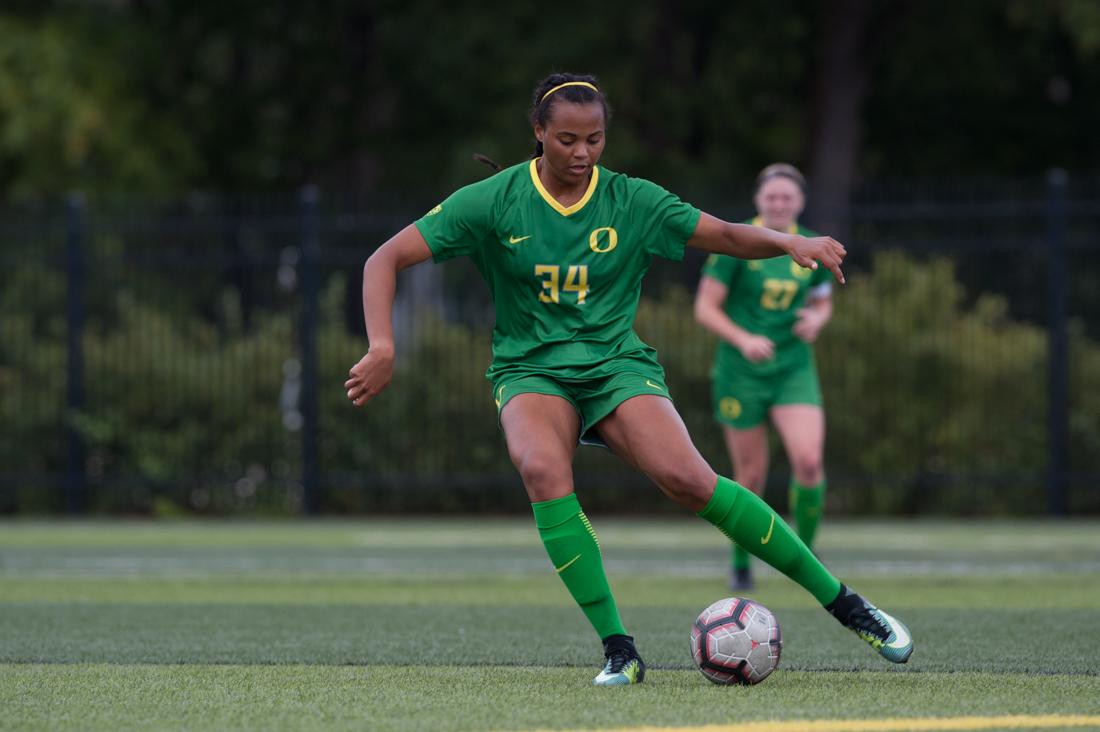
[{"x": 542, "y": 106}]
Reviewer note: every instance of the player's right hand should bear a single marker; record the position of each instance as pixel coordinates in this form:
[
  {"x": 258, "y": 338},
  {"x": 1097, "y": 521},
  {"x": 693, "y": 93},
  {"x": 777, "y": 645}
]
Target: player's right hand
[
  {"x": 369, "y": 377},
  {"x": 825, "y": 249},
  {"x": 757, "y": 348}
]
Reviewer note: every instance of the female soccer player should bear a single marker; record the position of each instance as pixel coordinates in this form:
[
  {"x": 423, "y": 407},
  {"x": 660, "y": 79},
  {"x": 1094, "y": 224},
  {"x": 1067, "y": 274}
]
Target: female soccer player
[
  {"x": 563, "y": 245},
  {"x": 767, "y": 314}
]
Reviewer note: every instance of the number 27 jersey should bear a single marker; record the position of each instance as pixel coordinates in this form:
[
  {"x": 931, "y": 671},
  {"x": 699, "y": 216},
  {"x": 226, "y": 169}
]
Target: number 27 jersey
[{"x": 565, "y": 281}]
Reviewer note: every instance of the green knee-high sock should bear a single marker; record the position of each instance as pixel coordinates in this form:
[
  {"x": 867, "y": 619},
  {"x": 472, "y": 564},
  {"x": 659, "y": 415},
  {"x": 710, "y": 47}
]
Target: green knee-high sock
[
  {"x": 745, "y": 518},
  {"x": 575, "y": 552},
  {"x": 807, "y": 505},
  {"x": 741, "y": 558}
]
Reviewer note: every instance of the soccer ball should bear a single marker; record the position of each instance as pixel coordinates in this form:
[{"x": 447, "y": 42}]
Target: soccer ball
[{"x": 736, "y": 641}]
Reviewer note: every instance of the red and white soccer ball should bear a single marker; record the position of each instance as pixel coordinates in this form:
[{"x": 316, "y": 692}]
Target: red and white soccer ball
[{"x": 736, "y": 641}]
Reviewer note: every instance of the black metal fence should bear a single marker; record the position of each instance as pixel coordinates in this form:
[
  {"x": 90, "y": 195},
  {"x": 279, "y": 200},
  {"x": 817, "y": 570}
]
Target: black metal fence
[{"x": 188, "y": 356}]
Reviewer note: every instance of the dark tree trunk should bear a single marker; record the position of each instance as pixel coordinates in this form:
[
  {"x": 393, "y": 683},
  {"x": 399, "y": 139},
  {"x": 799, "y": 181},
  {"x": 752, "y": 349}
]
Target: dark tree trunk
[{"x": 839, "y": 91}]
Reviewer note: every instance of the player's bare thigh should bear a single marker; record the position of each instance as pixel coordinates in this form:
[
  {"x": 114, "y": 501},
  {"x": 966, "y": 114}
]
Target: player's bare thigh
[
  {"x": 648, "y": 433},
  {"x": 748, "y": 450},
  {"x": 802, "y": 429},
  {"x": 542, "y": 431}
]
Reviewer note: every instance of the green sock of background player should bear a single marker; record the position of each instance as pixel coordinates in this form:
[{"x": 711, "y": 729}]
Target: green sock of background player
[
  {"x": 575, "y": 552},
  {"x": 807, "y": 506},
  {"x": 746, "y": 519}
]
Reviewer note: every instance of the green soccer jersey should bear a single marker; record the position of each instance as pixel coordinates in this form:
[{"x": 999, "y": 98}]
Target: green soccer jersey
[
  {"x": 764, "y": 298},
  {"x": 565, "y": 280}
]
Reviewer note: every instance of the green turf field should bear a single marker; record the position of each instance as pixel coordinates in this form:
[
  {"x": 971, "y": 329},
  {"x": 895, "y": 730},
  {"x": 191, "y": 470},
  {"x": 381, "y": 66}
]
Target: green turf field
[{"x": 462, "y": 625}]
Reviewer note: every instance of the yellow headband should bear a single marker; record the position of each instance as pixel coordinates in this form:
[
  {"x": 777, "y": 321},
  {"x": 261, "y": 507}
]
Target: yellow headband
[{"x": 568, "y": 83}]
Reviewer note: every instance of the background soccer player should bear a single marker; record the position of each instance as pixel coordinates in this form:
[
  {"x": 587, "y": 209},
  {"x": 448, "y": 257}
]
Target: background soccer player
[
  {"x": 767, "y": 314},
  {"x": 563, "y": 245}
]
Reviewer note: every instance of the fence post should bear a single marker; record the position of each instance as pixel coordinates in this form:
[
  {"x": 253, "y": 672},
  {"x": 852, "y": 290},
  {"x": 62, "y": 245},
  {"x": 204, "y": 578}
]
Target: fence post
[
  {"x": 1057, "y": 345},
  {"x": 308, "y": 200},
  {"x": 74, "y": 486}
]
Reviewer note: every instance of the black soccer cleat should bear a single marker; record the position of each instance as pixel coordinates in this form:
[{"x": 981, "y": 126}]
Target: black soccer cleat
[
  {"x": 883, "y": 632},
  {"x": 624, "y": 666}
]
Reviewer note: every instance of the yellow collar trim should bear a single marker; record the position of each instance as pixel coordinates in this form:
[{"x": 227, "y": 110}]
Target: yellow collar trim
[
  {"x": 564, "y": 210},
  {"x": 759, "y": 221}
]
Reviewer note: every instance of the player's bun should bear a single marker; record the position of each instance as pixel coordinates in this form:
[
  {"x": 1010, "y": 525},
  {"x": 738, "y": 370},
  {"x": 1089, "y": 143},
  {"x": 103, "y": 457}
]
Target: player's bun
[{"x": 488, "y": 161}]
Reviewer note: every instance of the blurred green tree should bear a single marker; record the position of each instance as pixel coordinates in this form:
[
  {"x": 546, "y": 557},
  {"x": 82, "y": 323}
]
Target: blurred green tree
[
  {"x": 70, "y": 116},
  {"x": 393, "y": 97}
]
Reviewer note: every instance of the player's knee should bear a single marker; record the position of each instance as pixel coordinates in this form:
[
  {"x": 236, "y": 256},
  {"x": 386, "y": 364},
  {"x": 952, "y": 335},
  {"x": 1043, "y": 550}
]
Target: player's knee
[
  {"x": 689, "y": 487},
  {"x": 808, "y": 469},
  {"x": 541, "y": 474}
]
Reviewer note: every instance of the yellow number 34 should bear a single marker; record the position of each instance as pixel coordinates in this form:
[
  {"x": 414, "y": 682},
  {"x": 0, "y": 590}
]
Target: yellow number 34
[{"x": 576, "y": 280}]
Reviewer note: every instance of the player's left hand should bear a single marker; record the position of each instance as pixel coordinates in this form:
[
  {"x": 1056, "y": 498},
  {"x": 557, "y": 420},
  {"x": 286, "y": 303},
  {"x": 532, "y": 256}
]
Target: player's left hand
[
  {"x": 809, "y": 324},
  {"x": 370, "y": 376},
  {"x": 825, "y": 249}
]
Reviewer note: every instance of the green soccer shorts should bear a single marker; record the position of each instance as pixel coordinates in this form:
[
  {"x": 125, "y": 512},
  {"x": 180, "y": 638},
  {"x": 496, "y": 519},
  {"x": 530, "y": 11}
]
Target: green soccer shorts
[
  {"x": 593, "y": 398},
  {"x": 741, "y": 400}
]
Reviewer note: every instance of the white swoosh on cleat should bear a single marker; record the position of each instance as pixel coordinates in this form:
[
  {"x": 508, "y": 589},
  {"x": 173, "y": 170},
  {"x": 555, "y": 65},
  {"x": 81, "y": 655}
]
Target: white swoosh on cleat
[{"x": 902, "y": 638}]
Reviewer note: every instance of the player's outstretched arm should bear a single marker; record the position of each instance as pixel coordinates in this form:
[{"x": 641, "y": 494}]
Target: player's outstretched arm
[
  {"x": 375, "y": 370},
  {"x": 745, "y": 241}
]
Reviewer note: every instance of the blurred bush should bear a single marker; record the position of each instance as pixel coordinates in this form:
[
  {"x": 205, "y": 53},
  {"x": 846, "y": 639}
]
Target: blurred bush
[
  {"x": 32, "y": 383},
  {"x": 936, "y": 403},
  {"x": 177, "y": 408},
  {"x": 935, "y": 400}
]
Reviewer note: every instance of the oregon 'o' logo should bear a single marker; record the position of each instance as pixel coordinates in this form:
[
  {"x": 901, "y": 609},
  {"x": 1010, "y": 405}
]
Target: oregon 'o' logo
[
  {"x": 729, "y": 407},
  {"x": 435, "y": 210},
  {"x": 601, "y": 244},
  {"x": 802, "y": 273}
]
